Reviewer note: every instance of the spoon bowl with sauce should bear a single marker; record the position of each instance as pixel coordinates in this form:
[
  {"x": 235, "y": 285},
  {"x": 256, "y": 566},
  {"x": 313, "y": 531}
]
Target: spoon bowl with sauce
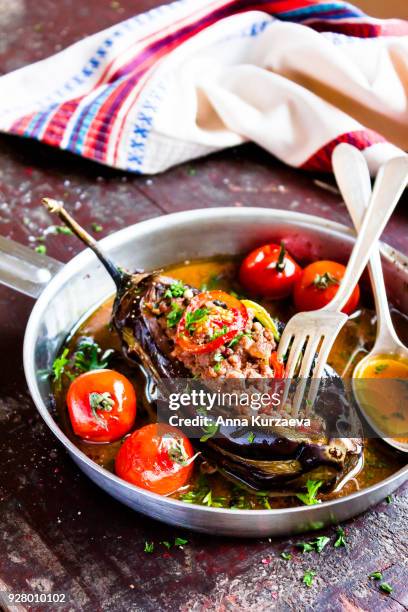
[{"x": 380, "y": 379}]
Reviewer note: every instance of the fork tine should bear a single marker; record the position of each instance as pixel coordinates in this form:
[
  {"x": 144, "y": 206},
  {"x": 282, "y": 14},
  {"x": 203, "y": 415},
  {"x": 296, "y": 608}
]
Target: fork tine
[
  {"x": 295, "y": 351},
  {"x": 321, "y": 361},
  {"x": 307, "y": 361},
  {"x": 284, "y": 342}
]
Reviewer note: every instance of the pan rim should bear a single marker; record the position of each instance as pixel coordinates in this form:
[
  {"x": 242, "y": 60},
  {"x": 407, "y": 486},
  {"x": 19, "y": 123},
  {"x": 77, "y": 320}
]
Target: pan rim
[{"x": 170, "y": 220}]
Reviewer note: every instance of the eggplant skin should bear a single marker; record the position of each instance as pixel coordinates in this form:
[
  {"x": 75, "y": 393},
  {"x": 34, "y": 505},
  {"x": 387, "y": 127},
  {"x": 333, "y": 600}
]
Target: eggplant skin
[{"x": 276, "y": 463}]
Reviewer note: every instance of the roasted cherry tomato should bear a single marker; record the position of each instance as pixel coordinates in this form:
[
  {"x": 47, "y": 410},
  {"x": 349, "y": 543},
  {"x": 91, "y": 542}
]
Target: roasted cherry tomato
[
  {"x": 211, "y": 319},
  {"x": 269, "y": 271},
  {"x": 101, "y": 405},
  {"x": 157, "y": 457},
  {"x": 318, "y": 284}
]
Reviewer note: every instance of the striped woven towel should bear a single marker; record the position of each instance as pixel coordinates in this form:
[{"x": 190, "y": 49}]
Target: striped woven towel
[{"x": 196, "y": 76}]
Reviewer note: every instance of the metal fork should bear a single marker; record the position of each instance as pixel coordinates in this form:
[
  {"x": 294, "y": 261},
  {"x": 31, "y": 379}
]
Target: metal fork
[{"x": 315, "y": 331}]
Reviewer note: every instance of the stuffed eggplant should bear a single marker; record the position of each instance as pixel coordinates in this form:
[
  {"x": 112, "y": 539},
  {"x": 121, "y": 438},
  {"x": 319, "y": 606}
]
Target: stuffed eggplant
[{"x": 177, "y": 332}]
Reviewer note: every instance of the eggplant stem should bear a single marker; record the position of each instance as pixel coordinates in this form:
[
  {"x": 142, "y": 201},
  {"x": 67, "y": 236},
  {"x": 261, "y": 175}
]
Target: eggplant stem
[{"x": 56, "y": 207}]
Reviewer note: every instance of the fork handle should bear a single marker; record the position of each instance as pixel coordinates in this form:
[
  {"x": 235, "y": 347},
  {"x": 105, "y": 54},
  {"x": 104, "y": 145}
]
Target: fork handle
[
  {"x": 391, "y": 182},
  {"x": 353, "y": 178}
]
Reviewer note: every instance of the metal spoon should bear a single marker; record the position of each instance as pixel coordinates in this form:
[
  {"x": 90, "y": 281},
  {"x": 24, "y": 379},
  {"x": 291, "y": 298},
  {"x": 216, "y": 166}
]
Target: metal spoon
[{"x": 352, "y": 175}]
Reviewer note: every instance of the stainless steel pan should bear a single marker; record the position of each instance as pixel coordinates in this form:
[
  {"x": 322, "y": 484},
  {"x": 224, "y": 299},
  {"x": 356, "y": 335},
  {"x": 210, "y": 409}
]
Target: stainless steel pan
[{"x": 66, "y": 293}]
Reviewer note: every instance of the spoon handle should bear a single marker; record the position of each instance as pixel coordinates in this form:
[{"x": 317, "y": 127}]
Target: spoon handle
[
  {"x": 352, "y": 176},
  {"x": 391, "y": 181}
]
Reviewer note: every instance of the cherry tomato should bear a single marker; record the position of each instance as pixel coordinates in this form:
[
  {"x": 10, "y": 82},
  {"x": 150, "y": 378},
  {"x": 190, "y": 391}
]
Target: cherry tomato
[
  {"x": 157, "y": 457},
  {"x": 269, "y": 271},
  {"x": 318, "y": 284},
  {"x": 101, "y": 405},
  {"x": 203, "y": 329}
]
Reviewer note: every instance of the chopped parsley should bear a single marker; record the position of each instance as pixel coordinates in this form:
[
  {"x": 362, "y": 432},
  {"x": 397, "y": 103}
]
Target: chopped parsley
[
  {"x": 180, "y": 542},
  {"x": 195, "y": 317},
  {"x": 386, "y": 588},
  {"x": 376, "y": 575},
  {"x": 251, "y": 437},
  {"x": 219, "y": 333},
  {"x": 59, "y": 366},
  {"x": 388, "y": 499},
  {"x": 380, "y": 367},
  {"x": 286, "y": 556},
  {"x": 341, "y": 538},
  {"x": 41, "y": 249},
  {"x": 202, "y": 494},
  {"x": 175, "y": 290},
  {"x": 63, "y": 229},
  {"x": 320, "y": 543},
  {"x": 97, "y": 227},
  {"x": 166, "y": 544},
  {"x": 149, "y": 547},
  {"x": 237, "y": 338},
  {"x": 209, "y": 431},
  {"x": 308, "y": 578},
  {"x": 174, "y": 315},
  {"x": 89, "y": 356},
  {"x": 305, "y": 546},
  {"x": 309, "y": 498}
]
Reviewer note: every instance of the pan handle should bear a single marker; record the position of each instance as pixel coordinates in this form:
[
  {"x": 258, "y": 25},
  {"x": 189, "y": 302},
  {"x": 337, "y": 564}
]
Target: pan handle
[{"x": 25, "y": 270}]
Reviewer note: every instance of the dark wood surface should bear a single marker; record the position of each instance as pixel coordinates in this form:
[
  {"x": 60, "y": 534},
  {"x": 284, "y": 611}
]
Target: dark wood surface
[{"x": 58, "y": 532}]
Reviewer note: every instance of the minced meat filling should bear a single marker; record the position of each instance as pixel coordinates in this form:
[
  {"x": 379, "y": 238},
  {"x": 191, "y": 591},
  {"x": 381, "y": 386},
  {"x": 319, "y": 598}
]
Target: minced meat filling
[{"x": 246, "y": 356}]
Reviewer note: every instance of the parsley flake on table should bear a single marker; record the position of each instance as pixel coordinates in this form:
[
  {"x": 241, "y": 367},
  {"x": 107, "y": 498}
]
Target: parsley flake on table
[
  {"x": 308, "y": 578},
  {"x": 376, "y": 575},
  {"x": 149, "y": 547},
  {"x": 341, "y": 538},
  {"x": 386, "y": 588},
  {"x": 286, "y": 556},
  {"x": 180, "y": 542}
]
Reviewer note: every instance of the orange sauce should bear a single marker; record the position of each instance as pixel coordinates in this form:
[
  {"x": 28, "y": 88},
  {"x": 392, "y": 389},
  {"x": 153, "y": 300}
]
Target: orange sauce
[{"x": 381, "y": 388}]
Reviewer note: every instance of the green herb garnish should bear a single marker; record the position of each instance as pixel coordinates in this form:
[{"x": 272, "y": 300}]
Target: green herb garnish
[
  {"x": 149, "y": 547},
  {"x": 320, "y": 543},
  {"x": 89, "y": 356},
  {"x": 166, "y": 544},
  {"x": 180, "y": 542},
  {"x": 63, "y": 229},
  {"x": 97, "y": 227},
  {"x": 376, "y": 575},
  {"x": 341, "y": 538},
  {"x": 309, "y": 498},
  {"x": 59, "y": 366},
  {"x": 308, "y": 578},
  {"x": 209, "y": 431},
  {"x": 175, "y": 290},
  {"x": 174, "y": 315},
  {"x": 41, "y": 248},
  {"x": 286, "y": 556},
  {"x": 305, "y": 546},
  {"x": 386, "y": 588},
  {"x": 251, "y": 437},
  {"x": 380, "y": 367},
  {"x": 195, "y": 317},
  {"x": 388, "y": 499}
]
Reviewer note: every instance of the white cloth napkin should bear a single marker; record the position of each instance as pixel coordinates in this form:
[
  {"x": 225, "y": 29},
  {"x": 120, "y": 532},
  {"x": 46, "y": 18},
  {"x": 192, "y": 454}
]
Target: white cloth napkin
[{"x": 198, "y": 76}]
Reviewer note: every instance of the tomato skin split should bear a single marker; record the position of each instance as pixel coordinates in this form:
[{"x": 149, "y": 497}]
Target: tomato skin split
[
  {"x": 101, "y": 405},
  {"x": 156, "y": 457}
]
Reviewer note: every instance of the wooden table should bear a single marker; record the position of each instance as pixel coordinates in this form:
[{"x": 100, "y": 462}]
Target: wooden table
[{"x": 58, "y": 532}]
